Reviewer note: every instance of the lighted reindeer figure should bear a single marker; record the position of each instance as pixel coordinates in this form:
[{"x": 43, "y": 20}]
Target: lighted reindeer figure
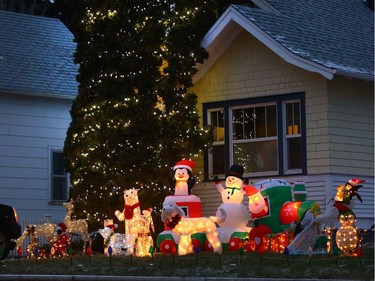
[
  {"x": 34, "y": 231},
  {"x": 76, "y": 227}
]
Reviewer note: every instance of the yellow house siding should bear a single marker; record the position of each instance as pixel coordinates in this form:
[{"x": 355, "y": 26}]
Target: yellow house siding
[
  {"x": 317, "y": 140},
  {"x": 336, "y": 140},
  {"x": 351, "y": 129},
  {"x": 249, "y": 69}
]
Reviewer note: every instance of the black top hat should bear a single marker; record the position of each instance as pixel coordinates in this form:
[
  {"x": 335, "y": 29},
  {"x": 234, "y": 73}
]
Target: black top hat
[{"x": 235, "y": 171}]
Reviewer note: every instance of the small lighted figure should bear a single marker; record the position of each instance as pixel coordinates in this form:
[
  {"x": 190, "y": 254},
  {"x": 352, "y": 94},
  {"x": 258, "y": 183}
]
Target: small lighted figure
[
  {"x": 32, "y": 248},
  {"x": 347, "y": 236},
  {"x": 257, "y": 205},
  {"x": 108, "y": 234},
  {"x": 144, "y": 240},
  {"x": 174, "y": 217},
  {"x": 343, "y": 203},
  {"x": 183, "y": 179},
  {"x": 114, "y": 243},
  {"x": 60, "y": 240}
]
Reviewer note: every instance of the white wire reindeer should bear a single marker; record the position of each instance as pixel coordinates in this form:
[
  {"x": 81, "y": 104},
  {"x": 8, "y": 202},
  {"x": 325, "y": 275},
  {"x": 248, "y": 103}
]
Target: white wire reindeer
[
  {"x": 76, "y": 227},
  {"x": 34, "y": 231}
]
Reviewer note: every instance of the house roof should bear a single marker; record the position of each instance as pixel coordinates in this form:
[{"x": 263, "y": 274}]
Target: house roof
[
  {"x": 334, "y": 37},
  {"x": 36, "y": 56}
]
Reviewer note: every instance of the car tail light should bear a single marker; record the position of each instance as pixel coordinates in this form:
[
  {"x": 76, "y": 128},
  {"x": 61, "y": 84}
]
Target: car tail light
[{"x": 15, "y": 214}]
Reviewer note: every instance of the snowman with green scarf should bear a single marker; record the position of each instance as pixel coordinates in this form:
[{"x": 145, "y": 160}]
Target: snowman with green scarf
[{"x": 233, "y": 230}]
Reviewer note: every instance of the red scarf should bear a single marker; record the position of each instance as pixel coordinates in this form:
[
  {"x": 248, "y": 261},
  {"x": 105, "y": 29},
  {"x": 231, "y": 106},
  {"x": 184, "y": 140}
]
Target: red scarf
[
  {"x": 343, "y": 209},
  {"x": 129, "y": 210}
]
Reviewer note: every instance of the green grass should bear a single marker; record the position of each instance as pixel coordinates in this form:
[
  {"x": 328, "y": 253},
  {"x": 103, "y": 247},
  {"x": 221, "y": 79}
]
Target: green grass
[{"x": 323, "y": 266}]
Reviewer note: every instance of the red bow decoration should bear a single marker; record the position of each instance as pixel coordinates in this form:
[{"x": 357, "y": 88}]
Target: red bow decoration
[
  {"x": 129, "y": 210},
  {"x": 173, "y": 222}
]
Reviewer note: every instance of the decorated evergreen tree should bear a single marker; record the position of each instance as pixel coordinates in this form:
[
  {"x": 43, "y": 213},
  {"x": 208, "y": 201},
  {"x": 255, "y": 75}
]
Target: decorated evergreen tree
[{"x": 134, "y": 115}]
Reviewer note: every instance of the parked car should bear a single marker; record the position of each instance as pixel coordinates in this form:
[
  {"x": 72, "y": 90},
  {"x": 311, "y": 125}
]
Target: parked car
[{"x": 9, "y": 229}]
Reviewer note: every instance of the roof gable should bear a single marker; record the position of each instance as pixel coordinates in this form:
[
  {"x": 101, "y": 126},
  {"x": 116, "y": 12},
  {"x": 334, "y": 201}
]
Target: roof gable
[
  {"x": 327, "y": 37},
  {"x": 36, "y": 56}
]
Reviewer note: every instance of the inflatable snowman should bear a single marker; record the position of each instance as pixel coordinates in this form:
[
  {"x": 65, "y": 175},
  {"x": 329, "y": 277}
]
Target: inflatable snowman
[{"x": 234, "y": 228}]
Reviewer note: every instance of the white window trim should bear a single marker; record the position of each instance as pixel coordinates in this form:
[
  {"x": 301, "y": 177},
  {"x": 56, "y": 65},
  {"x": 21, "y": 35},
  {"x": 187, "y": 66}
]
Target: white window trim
[{"x": 229, "y": 105}]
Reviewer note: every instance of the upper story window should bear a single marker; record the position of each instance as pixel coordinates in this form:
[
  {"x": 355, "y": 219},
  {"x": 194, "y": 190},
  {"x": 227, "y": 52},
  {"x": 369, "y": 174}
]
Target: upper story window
[
  {"x": 58, "y": 177},
  {"x": 263, "y": 135}
]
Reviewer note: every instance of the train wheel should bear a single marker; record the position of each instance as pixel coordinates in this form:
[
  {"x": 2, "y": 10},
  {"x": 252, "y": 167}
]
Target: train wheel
[{"x": 168, "y": 247}]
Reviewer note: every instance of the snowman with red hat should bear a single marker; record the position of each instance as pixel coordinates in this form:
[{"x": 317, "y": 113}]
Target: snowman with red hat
[{"x": 234, "y": 227}]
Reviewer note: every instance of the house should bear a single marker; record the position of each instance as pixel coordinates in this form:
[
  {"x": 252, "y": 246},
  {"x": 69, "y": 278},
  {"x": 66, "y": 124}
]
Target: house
[
  {"x": 288, "y": 88},
  {"x": 289, "y": 91},
  {"x": 37, "y": 87}
]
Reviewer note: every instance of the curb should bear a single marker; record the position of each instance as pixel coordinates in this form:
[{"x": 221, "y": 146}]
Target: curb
[{"x": 22, "y": 277}]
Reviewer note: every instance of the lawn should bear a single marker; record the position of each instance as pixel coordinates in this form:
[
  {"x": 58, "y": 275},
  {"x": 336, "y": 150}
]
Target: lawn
[{"x": 229, "y": 264}]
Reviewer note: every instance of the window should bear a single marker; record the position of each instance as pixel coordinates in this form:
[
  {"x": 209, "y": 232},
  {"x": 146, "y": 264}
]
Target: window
[
  {"x": 58, "y": 177},
  {"x": 263, "y": 135},
  {"x": 254, "y": 138},
  {"x": 293, "y": 159},
  {"x": 217, "y": 157}
]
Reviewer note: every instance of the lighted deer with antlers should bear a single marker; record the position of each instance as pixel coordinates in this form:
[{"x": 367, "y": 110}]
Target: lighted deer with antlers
[
  {"x": 34, "y": 231},
  {"x": 76, "y": 227}
]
